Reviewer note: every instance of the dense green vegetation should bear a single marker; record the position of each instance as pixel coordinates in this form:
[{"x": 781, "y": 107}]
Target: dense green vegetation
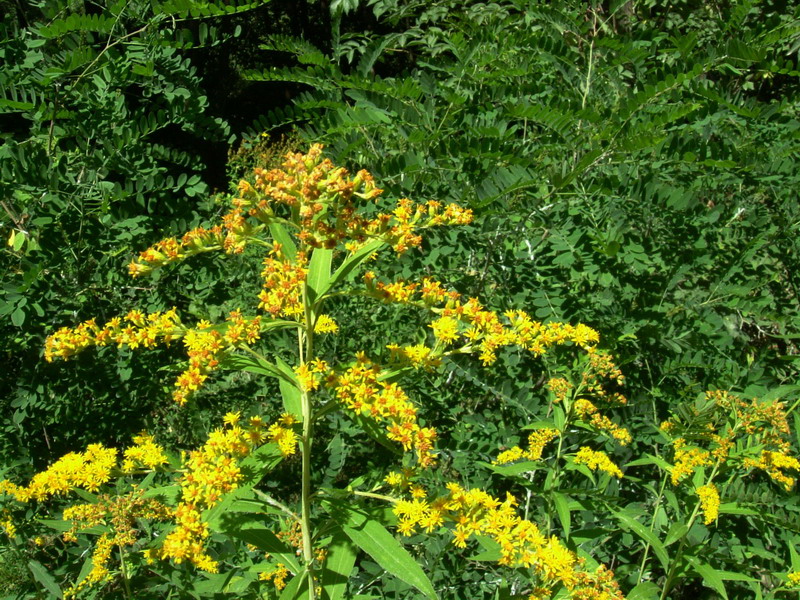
[{"x": 632, "y": 166}]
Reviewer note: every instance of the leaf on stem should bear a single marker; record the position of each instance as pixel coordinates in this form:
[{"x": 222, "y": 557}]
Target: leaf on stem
[{"x": 378, "y": 543}]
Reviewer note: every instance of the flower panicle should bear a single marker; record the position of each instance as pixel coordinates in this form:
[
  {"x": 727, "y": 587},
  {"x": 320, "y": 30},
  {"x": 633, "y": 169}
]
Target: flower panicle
[
  {"x": 597, "y": 460},
  {"x": 212, "y": 472},
  {"x": 361, "y": 389},
  {"x": 537, "y": 440},
  {"x": 120, "y": 514},
  {"x": 730, "y": 421},
  {"x": 475, "y": 512},
  {"x": 88, "y": 470}
]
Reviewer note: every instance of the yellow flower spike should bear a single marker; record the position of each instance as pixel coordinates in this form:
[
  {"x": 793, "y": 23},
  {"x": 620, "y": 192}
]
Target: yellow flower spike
[
  {"x": 445, "y": 329},
  {"x": 325, "y": 324},
  {"x": 522, "y": 544},
  {"x": 709, "y": 502},
  {"x": 597, "y": 460}
]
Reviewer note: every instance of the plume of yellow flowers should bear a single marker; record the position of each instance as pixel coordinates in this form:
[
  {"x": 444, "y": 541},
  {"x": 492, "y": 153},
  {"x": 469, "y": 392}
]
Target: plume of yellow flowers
[
  {"x": 119, "y": 513},
  {"x": 205, "y": 344},
  {"x": 761, "y": 427},
  {"x": 467, "y": 322},
  {"x": 522, "y": 544},
  {"x": 709, "y": 502},
  {"x": 212, "y": 472},
  {"x": 597, "y": 460},
  {"x": 537, "y": 440},
  {"x": 360, "y": 388},
  {"x": 277, "y": 576}
]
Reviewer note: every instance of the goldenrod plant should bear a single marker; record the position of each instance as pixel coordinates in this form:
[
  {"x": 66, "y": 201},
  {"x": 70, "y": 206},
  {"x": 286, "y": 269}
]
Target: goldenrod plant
[{"x": 317, "y": 228}]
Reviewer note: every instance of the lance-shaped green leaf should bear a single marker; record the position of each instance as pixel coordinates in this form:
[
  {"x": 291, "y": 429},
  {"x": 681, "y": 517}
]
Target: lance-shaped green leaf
[
  {"x": 645, "y": 591},
  {"x": 513, "y": 469},
  {"x": 319, "y": 274},
  {"x": 629, "y": 522},
  {"x": 354, "y": 260},
  {"x": 254, "y": 364},
  {"x": 338, "y": 565},
  {"x": 247, "y": 528},
  {"x": 47, "y": 581},
  {"x": 347, "y": 267},
  {"x": 373, "y": 538},
  {"x": 297, "y": 588},
  {"x": 290, "y": 390},
  {"x": 280, "y": 235},
  {"x": 562, "y": 508},
  {"x": 711, "y": 578}
]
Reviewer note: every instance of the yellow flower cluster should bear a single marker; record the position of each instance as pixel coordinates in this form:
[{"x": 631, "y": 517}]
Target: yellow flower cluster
[
  {"x": 794, "y": 578},
  {"x": 597, "y": 460},
  {"x": 360, "y": 389},
  {"x": 310, "y": 374},
  {"x": 172, "y": 250},
  {"x": 560, "y": 388},
  {"x": 765, "y": 419},
  {"x": 231, "y": 236},
  {"x": 760, "y": 426},
  {"x": 537, "y": 440},
  {"x": 775, "y": 464},
  {"x": 145, "y": 453},
  {"x": 601, "y": 367},
  {"x": 87, "y": 470},
  {"x": 133, "y": 330},
  {"x": 204, "y": 343},
  {"x": 284, "y": 281},
  {"x": 687, "y": 460},
  {"x": 400, "y": 479},
  {"x": 120, "y": 514},
  {"x": 241, "y": 330},
  {"x": 481, "y": 329},
  {"x": 277, "y": 576},
  {"x": 205, "y": 346},
  {"x": 522, "y": 544},
  {"x": 7, "y": 524},
  {"x": 325, "y": 324},
  {"x": 211, "y": 472},
  {"x": 282, "y": 434},
  {"x": 418, "y": 356},
  {"x": 325, "y": 201},
  {"x": 709, "y": 502},
  {"x": 586, "y": 411}
]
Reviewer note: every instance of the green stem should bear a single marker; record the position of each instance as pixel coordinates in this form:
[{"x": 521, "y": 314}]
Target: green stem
[
  {"x": 272, "y": 502},
  {"x": 306, "y": 443},
  {"x": 674, "y": 564},
  {"x": 373, "y": 495},
  {"x": 652, "y": 526},
  {"x": 124, "y": 572},
  {"x": 305, "y": 518}
]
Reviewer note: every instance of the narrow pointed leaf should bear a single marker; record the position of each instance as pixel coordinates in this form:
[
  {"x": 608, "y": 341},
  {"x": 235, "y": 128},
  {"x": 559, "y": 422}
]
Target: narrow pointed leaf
[
  {"x": 290, "y": 391},
  {"x": 338, "y": 566},
  {"x": 41, "y": 575},
  {"x": 711, "y": 578},
  {"x": 648, "y": 536},
  {"x": 297, "y": 588},
  {"x": 280, "y": 235},
  {"x": 319, "y": 273},
  {"x": 382, "y": 547},
  {"x": 562, "y": 508}
]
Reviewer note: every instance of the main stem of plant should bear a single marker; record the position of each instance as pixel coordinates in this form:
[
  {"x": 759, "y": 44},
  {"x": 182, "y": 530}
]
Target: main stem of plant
[
  {"x": 679, "y": 554},
  {"x": 306, "y": 441}
]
